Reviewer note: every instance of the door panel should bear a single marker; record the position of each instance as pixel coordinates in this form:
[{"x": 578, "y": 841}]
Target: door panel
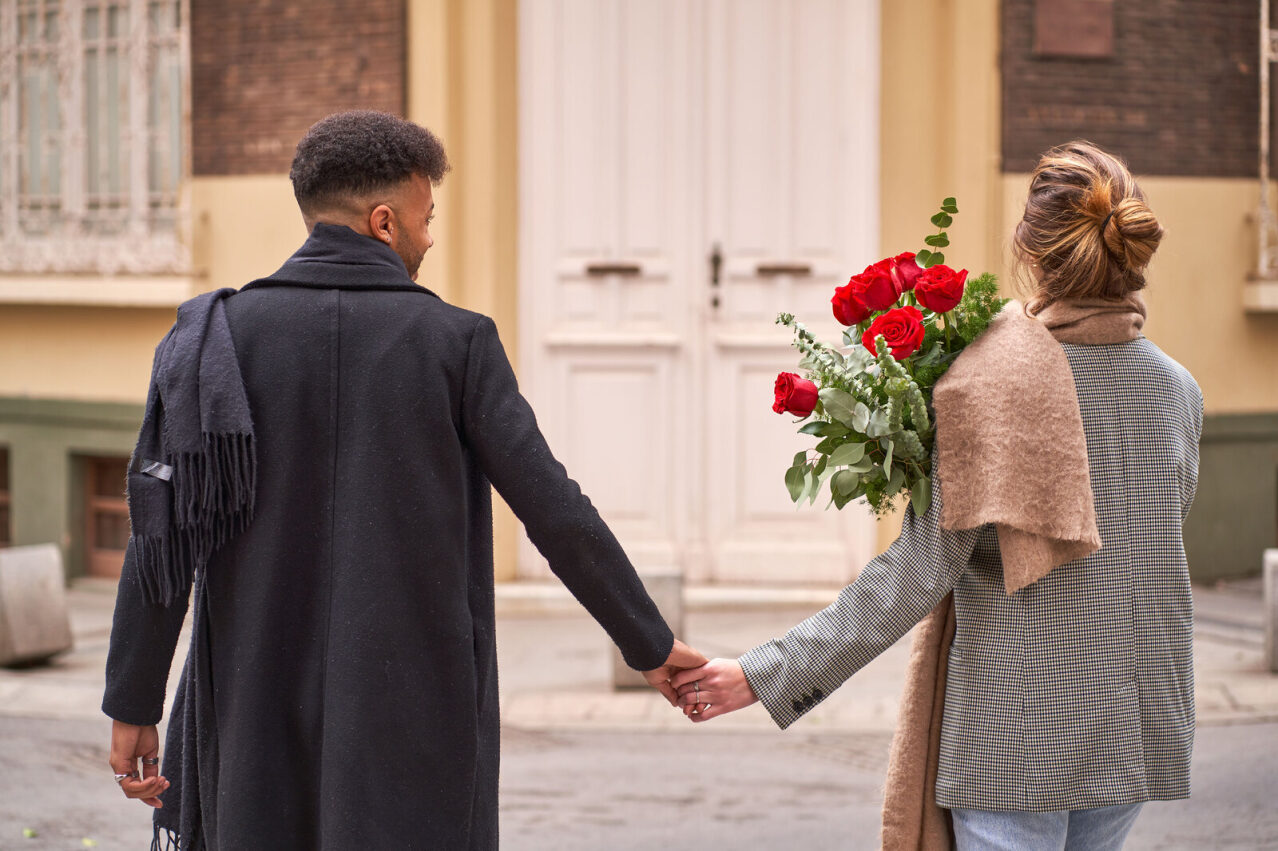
[
  {"x": 786, "y": 98},
  {"x": 651, "y": 133}
]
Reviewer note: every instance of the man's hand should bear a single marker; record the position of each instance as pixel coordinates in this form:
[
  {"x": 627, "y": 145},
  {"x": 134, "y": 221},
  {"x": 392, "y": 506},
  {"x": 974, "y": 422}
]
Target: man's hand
[
  {"x": 128, "y": 745},
  {"x": 681, "y": 656},
  {"x": 716, "y": 688}
]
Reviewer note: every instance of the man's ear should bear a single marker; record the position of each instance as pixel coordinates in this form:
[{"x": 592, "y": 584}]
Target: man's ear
[{"x": 381, "y": 223}]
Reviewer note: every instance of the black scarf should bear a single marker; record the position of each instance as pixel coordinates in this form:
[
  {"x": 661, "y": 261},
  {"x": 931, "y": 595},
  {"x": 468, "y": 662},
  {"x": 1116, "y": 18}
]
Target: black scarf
[{"x": 191, "y": 480}]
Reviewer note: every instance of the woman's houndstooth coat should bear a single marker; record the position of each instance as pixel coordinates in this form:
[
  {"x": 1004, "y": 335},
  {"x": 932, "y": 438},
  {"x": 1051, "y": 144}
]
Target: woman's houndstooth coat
[{"x": 1078, "y": 690}]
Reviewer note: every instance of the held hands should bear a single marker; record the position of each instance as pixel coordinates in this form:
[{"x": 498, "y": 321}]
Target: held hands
[
  {"x": 714, "y": 689},
  {"x": 681, "y": 658},
  {"x": 130, "y": 743}
]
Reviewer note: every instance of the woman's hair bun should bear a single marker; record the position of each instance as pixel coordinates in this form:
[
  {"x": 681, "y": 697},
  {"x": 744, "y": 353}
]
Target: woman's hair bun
[
  {"x": 1134, "y": 233},
  {"x": 1087, "y": 228}
]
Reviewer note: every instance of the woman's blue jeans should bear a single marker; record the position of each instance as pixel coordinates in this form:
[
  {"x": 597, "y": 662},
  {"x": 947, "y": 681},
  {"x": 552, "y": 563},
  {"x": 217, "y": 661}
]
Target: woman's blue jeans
[{"x": 1101, "y": 829}]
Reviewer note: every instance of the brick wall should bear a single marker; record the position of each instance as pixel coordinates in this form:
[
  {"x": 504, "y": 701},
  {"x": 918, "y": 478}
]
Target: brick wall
[
  {"x": 1177, "y": 94},
  {"x": 263, "y": 71}
]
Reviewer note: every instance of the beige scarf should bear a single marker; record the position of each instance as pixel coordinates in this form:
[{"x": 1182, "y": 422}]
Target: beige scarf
[{"x": 1013, "y": 453}]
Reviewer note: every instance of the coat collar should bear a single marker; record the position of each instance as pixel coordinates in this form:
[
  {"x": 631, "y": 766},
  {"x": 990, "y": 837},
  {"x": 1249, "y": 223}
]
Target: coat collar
[{"x": 336, "y": 257}]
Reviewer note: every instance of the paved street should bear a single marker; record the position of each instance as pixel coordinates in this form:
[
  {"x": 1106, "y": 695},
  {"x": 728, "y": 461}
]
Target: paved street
[{"x": 588, "y": 768}]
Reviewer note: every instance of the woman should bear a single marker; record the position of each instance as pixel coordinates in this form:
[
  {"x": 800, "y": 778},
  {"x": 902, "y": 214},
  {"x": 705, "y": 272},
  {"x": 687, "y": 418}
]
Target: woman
[{"x": 1061, "y": 483}]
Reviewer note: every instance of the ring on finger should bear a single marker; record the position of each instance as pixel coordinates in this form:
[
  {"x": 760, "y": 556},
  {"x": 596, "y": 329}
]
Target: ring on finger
[
  {"x": 155, "y": 761},
  {"x": 120, "y": 778}
]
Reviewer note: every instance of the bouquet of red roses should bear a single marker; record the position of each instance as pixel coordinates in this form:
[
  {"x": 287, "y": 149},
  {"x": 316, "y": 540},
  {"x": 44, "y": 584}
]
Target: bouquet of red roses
[{"x": 905, "y": 318}]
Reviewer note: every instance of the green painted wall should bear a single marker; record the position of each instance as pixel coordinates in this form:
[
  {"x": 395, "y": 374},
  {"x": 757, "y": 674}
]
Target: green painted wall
[
  {"x": 45, "y": 439},
  {"x": 1235, "y": 514}
]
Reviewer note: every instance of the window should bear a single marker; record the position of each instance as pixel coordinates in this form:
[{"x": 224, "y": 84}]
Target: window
[
  {"x": 107, "y": 513},
  {"x": 92, "y": 140},
  {"x": 6, "y": 534}
]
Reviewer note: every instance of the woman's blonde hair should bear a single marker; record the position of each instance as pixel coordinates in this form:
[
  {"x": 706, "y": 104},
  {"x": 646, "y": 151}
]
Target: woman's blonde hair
[{"x": 1087, "y": 230}]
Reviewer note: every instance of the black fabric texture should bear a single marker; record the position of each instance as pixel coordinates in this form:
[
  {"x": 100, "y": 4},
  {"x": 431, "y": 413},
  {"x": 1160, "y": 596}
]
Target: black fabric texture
[
  {"x": 197, "y": 421},
  {"x": 340, "y": 690}
]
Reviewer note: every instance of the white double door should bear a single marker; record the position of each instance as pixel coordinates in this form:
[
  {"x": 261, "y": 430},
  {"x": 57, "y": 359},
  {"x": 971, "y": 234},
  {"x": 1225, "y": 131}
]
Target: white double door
[{"x": 688, "y": 170}]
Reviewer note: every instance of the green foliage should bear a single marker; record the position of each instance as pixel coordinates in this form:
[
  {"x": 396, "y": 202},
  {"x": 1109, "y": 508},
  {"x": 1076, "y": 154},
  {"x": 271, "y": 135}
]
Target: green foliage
[
  {"x": 873, "y": 420},
  {"x": 980, "y": 304}
]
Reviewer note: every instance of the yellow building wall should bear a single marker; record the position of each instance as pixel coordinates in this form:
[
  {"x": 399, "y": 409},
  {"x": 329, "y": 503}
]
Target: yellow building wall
[
  {"x": 79, "y": 352},
  {"x": 462, "y": 84},
  {"x": 1195, "y": 284}
]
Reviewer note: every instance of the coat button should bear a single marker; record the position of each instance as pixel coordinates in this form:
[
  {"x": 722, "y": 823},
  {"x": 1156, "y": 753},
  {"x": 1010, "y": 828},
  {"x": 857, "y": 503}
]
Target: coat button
[
  {"x": 798, "y": 706},
  {"x": 818, "y": 694},
  {"x": 808, "y": 701}
]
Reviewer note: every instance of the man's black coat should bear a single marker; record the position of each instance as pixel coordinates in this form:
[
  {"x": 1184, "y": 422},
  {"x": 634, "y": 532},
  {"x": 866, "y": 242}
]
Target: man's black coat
[{"x": 349, "y": 698}]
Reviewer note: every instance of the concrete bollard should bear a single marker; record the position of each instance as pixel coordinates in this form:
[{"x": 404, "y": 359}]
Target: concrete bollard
[
  {"x": 34, "y": 624},
  {"x": 1271, "y": 610},
  {"x": 666, "y": 589}
]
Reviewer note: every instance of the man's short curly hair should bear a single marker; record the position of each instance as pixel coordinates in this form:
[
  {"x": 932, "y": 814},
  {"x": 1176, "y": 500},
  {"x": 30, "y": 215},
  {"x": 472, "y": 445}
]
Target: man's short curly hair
[{"x": 352, "y": 154}]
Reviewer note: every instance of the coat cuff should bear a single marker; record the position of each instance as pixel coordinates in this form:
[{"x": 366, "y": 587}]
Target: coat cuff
[
  {"x": 653, "y": 653},
  {"x": 119, "y": 711},
  {"x": 764, "y": 668}
]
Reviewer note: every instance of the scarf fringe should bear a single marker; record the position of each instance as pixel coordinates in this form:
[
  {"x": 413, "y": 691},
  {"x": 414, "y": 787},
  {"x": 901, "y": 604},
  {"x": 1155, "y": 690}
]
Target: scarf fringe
[
  {"x": 163, "y": 839},
  {"x": 214, "y": 498}
]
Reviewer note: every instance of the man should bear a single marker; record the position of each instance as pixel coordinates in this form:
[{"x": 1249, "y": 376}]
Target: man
[{"x": 316, "y": 464}]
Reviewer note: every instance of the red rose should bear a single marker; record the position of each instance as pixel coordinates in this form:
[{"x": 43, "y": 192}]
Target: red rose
[
  {"x": 848, "y": 307},
  {"x": 876, "y": 289},
  {"x": 795, "y": 395},
  {"x": 901, "y": 328},
  {"x": 863, "y": 294},
  {"x": 940, "y": 288},
  {"x": 905, "y": 271}
]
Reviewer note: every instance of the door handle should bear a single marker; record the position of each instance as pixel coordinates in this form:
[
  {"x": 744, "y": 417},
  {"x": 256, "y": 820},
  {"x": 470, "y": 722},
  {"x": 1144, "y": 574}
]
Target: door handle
[
  {"x": 612, "y": 268},
  {"x": 716, "y": 268},
  {"x": 772, "y": 269}
]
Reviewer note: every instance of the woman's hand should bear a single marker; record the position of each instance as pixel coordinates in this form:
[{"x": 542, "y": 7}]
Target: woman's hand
[
  {"x": 130, "y": 743},
  {"x": 716, "y": 688}
]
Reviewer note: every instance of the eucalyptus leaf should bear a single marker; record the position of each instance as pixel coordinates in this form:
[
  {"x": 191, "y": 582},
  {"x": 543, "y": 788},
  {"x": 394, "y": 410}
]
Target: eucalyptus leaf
[
  {"x": 848, "y": 453},
  {"x": 865, "y": 465},
  {"x": 937, "y": 219},
  {"x": 939, "y": 240},
  {"x": 923, "y": 257},
  {"x": 800, "y": 458},
  {"x": 839, "y": 404},
  {"x": 894, "y": 484},
  {"x": 921, "y": 496},
  {"x": 860, "y": 417},
  {"x": 840, "y": 500},
  {"x": 816, "y": 428},
  {"x": 887, "y": 460},
  {"x": 815, "y": 491},
  {"x": 794, "y": 478},
  {"x": 878, "y": 424},
  {"x": 844, "y": 482},
  {"x": 821, "y": 464},
  {"x": 950, "y": 205},
  {"x": 937, "y": 259}
]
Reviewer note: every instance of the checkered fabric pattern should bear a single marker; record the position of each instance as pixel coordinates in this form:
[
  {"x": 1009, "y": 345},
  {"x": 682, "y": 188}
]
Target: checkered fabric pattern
[{"x": 1077, "y": 691}]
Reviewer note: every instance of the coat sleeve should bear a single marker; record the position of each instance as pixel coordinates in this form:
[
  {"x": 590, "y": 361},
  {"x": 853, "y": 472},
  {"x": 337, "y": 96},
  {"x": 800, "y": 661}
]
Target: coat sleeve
[
  {"x": 1189, "y": 468},
  {"x": 894, "y": 591},
  {"x": 499, "y": 426},
  {"x": 143, "y": 638}
]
